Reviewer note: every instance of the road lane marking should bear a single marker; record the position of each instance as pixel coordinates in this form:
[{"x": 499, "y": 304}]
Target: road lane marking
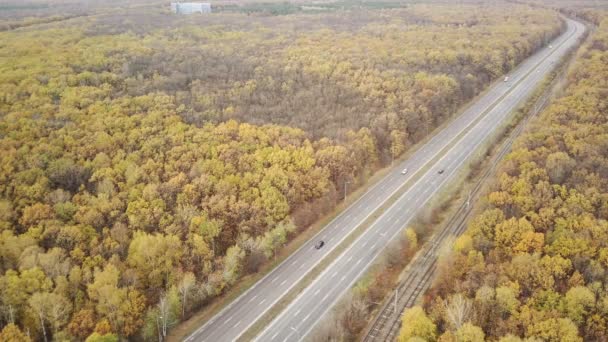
[
  {"x": 305, "y": 318},
  {"x": 335, "y": 273},
  {"x": 358, "y": 204},
  {"x": 236, "y": 325},
  {"x": 358, "y": 262},
  {"x": 437, "y": 141},
  {"x": 273, "y": 336},
  {"x": 317, "y": 292},
  {"x": 481, "y": 140},
  {"x": 375, "y": 244},
  {"x": 349, "y": 259},
  {"x": 297, "y": 312},
  {"x": 228, "y": 320},
  {"x": 263, "y": 300},
  {"x": 343, "y": 277},
  {"x": 325, "y": 297},
  {"x": 252, "y": 299},
  {"x": 283, "y": 282}
]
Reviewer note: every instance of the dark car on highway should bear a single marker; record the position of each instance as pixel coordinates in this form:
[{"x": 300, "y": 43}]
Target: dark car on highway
[
  {"x": 319, "y": 244},
  {"x": 440, "y": 171}
]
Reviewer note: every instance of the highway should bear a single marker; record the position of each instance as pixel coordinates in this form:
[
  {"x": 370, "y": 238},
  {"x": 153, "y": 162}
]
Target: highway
[
  {"x": 422, "y": 269},
  {"x": 302, "y": 314},
  {"x": 448, "y": 150}
]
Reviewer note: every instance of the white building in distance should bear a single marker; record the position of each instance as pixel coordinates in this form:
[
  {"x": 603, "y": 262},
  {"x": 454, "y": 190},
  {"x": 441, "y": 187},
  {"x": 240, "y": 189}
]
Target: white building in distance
[{"x": 190, "y": 7}]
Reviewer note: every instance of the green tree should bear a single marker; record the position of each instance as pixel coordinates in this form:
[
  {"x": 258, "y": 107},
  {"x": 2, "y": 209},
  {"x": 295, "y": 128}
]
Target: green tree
[
  {"x": 96, "y": 337},
  {"x": 233, "y": 264},
  {"x": 155, "y": 257},
  {"x": 553, "y": 330},
  {"x": 469, "y": 333},
  {"x": 415, "y": 323},
  {"x": 577, "y": 303},
  {"x": 107, "y": 295}
]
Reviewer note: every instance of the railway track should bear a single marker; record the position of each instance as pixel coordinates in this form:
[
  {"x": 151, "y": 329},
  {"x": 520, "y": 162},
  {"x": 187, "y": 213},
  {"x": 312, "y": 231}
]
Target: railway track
[{"x": 422, "y": 269}]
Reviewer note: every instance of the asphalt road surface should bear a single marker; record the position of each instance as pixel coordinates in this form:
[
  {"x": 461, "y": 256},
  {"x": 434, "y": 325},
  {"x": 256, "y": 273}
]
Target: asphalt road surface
[{"x": 448, "y": 150}]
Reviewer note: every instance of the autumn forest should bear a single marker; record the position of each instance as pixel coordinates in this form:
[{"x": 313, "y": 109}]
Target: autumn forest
[
  {"x": 532, "y": 265},
  {"x": 148, "y": 161}
]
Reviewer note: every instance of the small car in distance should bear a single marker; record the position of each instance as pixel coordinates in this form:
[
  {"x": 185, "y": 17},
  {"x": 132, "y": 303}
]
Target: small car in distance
[
  {"x": 506, "y": 78},
  {"x": 404, "y": 172},
  {"x": 440, "y": 171},
  {"x": 319, "y": 244}
]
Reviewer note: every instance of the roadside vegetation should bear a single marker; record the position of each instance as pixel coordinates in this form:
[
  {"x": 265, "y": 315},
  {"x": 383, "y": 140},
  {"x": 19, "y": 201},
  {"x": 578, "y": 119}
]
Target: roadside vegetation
[
  {"x": 532, "y": 264},
  {"x": 148, "y": 161},
  {"x": 350, "y": 316}
]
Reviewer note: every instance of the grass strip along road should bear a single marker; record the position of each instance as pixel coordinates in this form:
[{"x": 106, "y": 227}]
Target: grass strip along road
[
  {"x": 241, "y": 315},
  {"x": 296, "y": 321}
]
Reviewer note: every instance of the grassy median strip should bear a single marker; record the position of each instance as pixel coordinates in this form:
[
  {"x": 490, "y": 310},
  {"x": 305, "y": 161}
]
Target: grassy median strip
[
  {"x": 269, "y": 316},
  {"x": 188, "y": 327},
  {"x": 470, "y": 183},
  {"x": 456, "y": 184}
]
